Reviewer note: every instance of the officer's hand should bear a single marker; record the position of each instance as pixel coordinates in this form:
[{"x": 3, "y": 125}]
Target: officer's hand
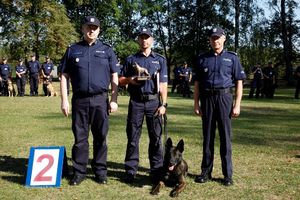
[
  {"x": 161, "y": 111},
  {"x": 197, "y": 110},
  {"x": 113, "y": 107},
  {"x": 236, "y": 111},
  {"x": 133, "y": 81},
  {"x": 65, "y": 108}
]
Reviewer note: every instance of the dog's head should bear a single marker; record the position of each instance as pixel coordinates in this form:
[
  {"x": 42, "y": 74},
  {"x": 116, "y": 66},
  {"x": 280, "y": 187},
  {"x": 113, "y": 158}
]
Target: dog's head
[{"x": 173, "y": 154}]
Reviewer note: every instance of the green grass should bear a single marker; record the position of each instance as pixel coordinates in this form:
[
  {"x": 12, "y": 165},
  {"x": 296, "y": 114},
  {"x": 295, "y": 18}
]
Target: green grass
[{"x": 266, "y": 150}]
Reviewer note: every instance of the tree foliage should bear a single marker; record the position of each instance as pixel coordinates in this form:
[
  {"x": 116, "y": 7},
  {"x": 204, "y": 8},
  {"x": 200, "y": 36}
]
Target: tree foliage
[{"x": 179, "y": 27}]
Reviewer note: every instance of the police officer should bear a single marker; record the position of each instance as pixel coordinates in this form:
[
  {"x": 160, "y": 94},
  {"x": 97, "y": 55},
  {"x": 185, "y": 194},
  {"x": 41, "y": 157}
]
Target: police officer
[
  {"x": 186, "y": 76},
  {"x": 176, "y": 80},
  {"x": 270, "y": 77},
  {"x": 144, "y": 101},
  {"x": 47, "y": 69},
  {"x": 5, "y": 74},
  {"x": 21, "y": 78},
  {"x": 33, "y": 67},
  {"x": 256, "y": 83},
  {"x": 92, "y": 66},
  {"x": 216, "y": 73}
]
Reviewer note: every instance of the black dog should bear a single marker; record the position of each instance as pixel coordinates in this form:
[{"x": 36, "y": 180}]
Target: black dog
[{"x": 175, "y": 169}]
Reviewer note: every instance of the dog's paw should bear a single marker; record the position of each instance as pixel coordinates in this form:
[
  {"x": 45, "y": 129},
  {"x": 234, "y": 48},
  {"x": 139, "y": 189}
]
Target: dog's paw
[{"x": 155, "y": 190}]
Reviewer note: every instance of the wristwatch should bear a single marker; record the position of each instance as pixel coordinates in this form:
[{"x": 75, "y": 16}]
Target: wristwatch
[{"x": 165, "y": 105}]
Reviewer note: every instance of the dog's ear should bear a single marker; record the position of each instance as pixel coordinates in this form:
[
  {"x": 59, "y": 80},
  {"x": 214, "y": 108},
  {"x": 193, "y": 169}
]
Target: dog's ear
[
  {"x": 169, "y": 143},
  {"x": 180, "y": 146}
]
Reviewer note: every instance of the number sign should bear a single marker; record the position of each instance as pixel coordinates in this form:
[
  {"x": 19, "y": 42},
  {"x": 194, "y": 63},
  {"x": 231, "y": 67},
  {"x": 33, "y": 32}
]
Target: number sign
[{"x": 45, "y": 166}]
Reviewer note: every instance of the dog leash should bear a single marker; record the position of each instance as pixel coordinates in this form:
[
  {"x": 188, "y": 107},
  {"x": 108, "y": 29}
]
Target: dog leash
[{"x": 165, "y": 120}]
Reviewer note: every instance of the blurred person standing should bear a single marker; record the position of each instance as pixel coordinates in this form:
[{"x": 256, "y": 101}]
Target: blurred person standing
[
  {"x": 21, "y": 77},
  {"x": 47, "y": 69},
  {"x": 33, "y": 68},
  {"x": 256, "y": 83},
  {"x": 5, "y": 74},
  {"x": 297, "y": 75}
]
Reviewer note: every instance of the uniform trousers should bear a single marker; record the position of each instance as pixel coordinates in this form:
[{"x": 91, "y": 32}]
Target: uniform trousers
[
  {"x": 216, "y": 110},
  {"x": 21, "y": 85},
  {"x": 34, "y": 83},
  {"x": 90, "y": 112},
  {"x": 136, "y": 112}
]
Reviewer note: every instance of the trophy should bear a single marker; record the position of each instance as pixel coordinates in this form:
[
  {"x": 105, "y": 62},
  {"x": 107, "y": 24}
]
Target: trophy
[{"x": 142, "y": 73}]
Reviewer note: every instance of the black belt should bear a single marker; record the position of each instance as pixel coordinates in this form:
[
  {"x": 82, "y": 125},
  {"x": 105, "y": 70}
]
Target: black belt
[
  {"x": 213, "y": 91},
  {"x": 83, "y": 95},
  {"x": 144, "y": 97}
]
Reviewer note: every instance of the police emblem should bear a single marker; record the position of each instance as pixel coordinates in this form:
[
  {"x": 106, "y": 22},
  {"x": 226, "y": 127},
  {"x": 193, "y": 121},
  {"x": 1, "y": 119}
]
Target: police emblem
[
  {"x": 214, "y": 30},
  {"x": 205, "y": 69},
  {"x": 92, "y": 19},
  {"x": 77, "y": 59}
]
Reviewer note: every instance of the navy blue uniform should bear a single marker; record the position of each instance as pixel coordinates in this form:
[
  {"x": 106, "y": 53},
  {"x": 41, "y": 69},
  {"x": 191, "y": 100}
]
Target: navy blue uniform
[
  {"x": 185, "y": 72},
  {"x": 269, "y": 81},
  {"x": 21, "y": 80},
  {"x": 5, "y": 73},
  {"x": 90, "y": 69},
  {"x": 47, "y": 69},
  {"x": 144, "y": 101},
  {"x": 33, "y": 70},
  {"x": 216, "y": 76},
  {"x": 256, "y": 83},
  {"x": 176, "y": 80}
]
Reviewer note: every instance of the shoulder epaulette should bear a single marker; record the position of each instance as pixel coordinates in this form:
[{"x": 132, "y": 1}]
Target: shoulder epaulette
[
  {"x": 107, "y": 44},
  {"x": 160, "y": 55},
  {"x": 232, "y": 52}
]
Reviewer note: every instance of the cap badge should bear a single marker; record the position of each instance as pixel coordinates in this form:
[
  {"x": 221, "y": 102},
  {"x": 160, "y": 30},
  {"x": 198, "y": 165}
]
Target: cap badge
[
  {"x": 77, "y": 59},
  {"x": 214, "y": 30},
  {"x": 144, "y": 29},
  {"x": 92, "y": 19}
]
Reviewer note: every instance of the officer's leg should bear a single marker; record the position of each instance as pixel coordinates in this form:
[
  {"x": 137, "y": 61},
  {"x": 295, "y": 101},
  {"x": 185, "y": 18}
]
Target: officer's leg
[
  {"x": 99, "y": 127},
  {"x": 31, "y": 85},
  {"x": 297, "y": 90},
  {"x": 80, "y": 127},
  {"x": 135, "y": 120},
  {"x": 19, "y": 85},
  {"x": 45, "y": 89},
  {"x": 208, "y": 129},
  {"x": 36, "y": 84},
  {"x": 5, "y": 88},
  {"x": 154, "y": 127},
  {"x": 224, "y": 126},
  {"x": 23, "y": 83}
]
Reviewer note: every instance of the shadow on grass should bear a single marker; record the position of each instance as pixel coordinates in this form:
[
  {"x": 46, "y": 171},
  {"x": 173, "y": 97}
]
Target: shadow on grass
[{"x": 16, "y": 166}]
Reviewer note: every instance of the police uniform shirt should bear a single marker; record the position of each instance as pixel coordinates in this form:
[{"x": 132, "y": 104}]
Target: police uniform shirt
[
  {"x": 33, "y": 67},
  {"x": 219, "y": 71},
  {"x": 5, "y": 71},
  {"x": 186, "y": 72},
  {"x": 47, "y": 68},
  {"x": 154, "y": 63},
  {"x": 20, "y": 69},
  {"x": 89, "y": 67},
  {"x": 269, "y": 72},
  {"x": 257, "y": 74}
]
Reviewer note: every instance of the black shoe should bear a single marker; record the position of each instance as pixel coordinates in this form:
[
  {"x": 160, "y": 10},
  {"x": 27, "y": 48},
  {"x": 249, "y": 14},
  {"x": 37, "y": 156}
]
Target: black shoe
[
  {"x": 228, "y": 181},
  {"x": 203, "y": 178},
  {"x": 129, "y": 178},
  {"x": 77, "y": 179},
  {"x": 101, "y": 179}
]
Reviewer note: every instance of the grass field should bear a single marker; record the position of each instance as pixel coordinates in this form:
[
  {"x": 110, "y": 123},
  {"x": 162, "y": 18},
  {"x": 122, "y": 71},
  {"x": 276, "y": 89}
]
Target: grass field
[{"x": 266, "y": 150}]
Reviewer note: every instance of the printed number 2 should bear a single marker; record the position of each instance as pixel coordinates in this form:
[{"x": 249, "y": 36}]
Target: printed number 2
[{"x": 40, "y": 176}]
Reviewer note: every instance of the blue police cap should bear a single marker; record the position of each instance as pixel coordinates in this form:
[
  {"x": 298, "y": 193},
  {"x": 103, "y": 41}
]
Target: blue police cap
[
  {"x": 216, "y": 31},
  {"x": 145, "y": 31},
  {"x": 91, "y": 20}
]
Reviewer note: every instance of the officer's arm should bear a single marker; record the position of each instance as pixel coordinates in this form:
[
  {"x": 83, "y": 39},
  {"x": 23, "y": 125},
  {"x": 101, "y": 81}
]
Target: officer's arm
[
  {"x": 123, "y": 81},
  {"x": 238, "y": 98},
  {"x": 114, "y": 87},
  {"x": 196, "y": 98},
  {"x": 163, "y": 89},
  {"x": 64, "y": 94}
]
